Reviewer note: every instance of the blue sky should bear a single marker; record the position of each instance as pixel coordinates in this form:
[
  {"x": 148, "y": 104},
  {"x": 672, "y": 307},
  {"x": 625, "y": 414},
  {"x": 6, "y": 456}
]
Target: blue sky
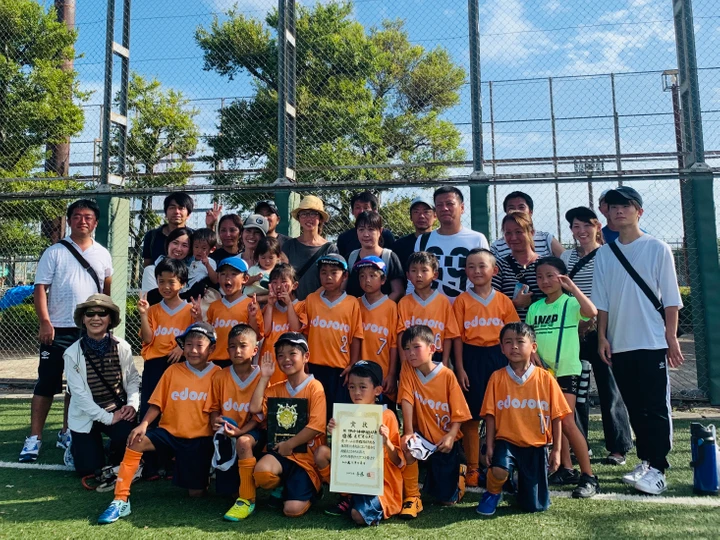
[{"x": 523, "y": 43}]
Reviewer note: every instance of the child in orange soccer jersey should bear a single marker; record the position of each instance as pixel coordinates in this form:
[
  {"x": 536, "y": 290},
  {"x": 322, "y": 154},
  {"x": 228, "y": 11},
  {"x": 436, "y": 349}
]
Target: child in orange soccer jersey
[
  {"x": 229, "y": 408},
  {"x": 481, "y": 312},
  {"x": 282, "y": 464},
  {"x": 234, "y": 308},
  {"x": 184, "y": 426},
  {"x": 379, "y": 315},
  {"x": 160, "y": 324},
  {"x": 283, "y": 312},
  {"x": 428, "y": 307},
  {"x": 523, "y": 411},
  {"x": 334, "y": 330},
  {"x": 433, "y": 408},
  {"x": 365, "y": 385}
]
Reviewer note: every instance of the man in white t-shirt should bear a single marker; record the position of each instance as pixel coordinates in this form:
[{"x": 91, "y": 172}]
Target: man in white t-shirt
[
  {"x": 634, "y": 339},
  {"x": 61, "y": 282},
  {"x": 450, "y": 243},
  {"x": 545, "y": 243}
]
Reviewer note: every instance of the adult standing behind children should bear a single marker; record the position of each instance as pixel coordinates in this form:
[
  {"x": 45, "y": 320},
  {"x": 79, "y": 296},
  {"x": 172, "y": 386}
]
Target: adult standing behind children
[
  {"x": 348, "y": 241},
  {"x": 634, "y": 338},
  {"x": 304, "y": 251},
  {"x": 269, "y": 210},
  {"x": 61, "y": 283},
  {"x": 178, "y": 206},
  {"x": 422, "y": 216},
  {"x": 545, "y": 243},
  {"x": 230, "y": 228},
  {"x": 450, "y": 243}
]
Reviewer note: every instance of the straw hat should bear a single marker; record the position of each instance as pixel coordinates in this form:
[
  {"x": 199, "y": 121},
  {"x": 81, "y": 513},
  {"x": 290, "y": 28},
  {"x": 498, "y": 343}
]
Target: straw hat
[
  {"x": 98, "y": 301},
  {"x": 311, "y": 202}
]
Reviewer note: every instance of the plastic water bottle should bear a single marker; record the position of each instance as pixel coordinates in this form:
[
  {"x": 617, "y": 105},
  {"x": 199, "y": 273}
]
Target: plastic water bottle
[{"x": 705, "y": 459}]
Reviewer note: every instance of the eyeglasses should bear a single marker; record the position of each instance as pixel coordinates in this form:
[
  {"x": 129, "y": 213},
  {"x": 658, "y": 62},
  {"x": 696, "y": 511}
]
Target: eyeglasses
[
  {"x": 101, "y": 313},
  {"x": 309, "y": 214}
]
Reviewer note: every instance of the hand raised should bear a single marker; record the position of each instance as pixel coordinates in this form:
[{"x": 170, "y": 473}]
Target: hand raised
[{"x": 143, "y": 305}]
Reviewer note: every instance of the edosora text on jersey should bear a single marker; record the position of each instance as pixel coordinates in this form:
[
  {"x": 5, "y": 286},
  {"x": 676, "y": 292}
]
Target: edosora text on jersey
[
  {"x": 482, "y": 321},
  {"x": 441, "y": 405},
  {"x": 431, "y": 323},
  {"x": 186, "y": 394},
  {"x": 333, "y": 325},
  {"x": 164, "y": 331},
  {"x": 231, "y": 405},
  {"x": 515, "y": 403}
]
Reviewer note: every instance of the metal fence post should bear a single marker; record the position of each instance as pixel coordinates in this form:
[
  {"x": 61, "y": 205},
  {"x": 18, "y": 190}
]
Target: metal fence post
[
  {"x": 479, "y": 202},
  {"x": 699, "y": 211}
]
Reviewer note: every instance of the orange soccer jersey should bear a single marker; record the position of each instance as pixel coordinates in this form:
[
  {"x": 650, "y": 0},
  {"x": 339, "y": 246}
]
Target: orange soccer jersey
[
  {"x": 392, "y": 497},
  {"x": 379, "y": 331},
  {"x": 223, "y": 315},
  {"x": 331, "y": 328},
  {"x": 166, "y": 325},
  {"x": 313, "y": 391},
  {"x": 435, "y": 312},
  {"x": 231, "y": 396},
  {"x": 524, "y": 407},
  {"x": 437, "y": 401},
  {"x": 181, "y": 395},
  {"x": 280, "y": 325},
  {"x": 481, "y": 319}
]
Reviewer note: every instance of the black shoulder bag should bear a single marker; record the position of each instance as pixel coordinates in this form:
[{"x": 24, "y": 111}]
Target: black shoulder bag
[
  {"x": 312, "y": 260},
  {"x": 118, "y": 401},
  {"x": 582, "y": 262},
  {"x": 657, "y": 304},
  {"x": 83, "y": 262}
]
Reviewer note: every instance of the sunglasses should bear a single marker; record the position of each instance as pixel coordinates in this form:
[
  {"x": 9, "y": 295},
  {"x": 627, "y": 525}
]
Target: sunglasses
[{"x": 99, "y": 313}]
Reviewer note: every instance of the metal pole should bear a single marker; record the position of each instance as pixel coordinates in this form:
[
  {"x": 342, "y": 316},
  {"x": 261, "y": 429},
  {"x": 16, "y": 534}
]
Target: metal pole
[
  {"x": 492, "y": 150},
  {"x": 555, "y": 158},
  {"x": 107, "y": 94},
  {"x": 616, "y": 125}
]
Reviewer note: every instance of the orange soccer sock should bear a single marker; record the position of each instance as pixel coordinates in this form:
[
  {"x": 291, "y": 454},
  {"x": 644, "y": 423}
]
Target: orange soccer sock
[
  {"x": 494, "y": 485},
  {"x": 471, "y": 443},
  {"x": 128, "y": 468},
  {"x": 410, "y": 476},
  {"x": 266, "y": 479},
  {"x": 325, "y": 474},
  {"x": 247, "y": 483}
]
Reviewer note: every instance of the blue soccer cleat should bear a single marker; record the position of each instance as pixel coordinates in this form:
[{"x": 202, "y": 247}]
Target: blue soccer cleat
[
  {"x": 488, "y": 503},
  {"x": 115, "y": 511}
]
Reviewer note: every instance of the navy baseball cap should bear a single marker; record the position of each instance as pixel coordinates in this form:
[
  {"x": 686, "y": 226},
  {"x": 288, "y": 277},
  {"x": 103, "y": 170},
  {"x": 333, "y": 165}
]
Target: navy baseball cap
[
  {"x": 582, "y": 213},
  {"x": 198, "y": 328},
  {"x": 373, "y": 368},
  {"x": 235, "y": 262},
  {"x": 293, "y": 338},
  {"x": 371, "y": 262},
  {"x": 333, "y": 259},
  {"x": 623, "y": 194},
  {"x": 266, "y": 204}
]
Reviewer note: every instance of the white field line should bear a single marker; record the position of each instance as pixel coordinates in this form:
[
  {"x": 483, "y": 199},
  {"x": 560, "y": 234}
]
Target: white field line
[{"x": 34, "y": 466}]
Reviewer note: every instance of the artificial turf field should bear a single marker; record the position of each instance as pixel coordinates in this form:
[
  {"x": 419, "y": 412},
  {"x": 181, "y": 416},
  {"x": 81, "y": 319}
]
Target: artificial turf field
[{"x": 38, "y": 504}]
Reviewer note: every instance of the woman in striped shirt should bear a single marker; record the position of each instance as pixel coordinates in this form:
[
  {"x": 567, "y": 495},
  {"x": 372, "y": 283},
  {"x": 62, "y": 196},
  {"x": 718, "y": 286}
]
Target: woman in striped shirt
[
  {"x": 516, "y": 277},
  {"x": 580, "y": 262}
]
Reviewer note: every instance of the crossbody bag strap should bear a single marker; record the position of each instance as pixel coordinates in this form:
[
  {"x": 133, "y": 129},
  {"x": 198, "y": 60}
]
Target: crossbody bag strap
[
  {"x": 637, "y": 279},
  {"x": 119, "y": 402},
  {"x": 312, "y": 260},
  {"x": 83, "y": 262},
  {"x": 582, "y": 262},
  {"x": 560, "y": 336},
  {"x": 424, "y": 239},
  {"x": 352, "y": 259},
  {"x": 519, "y": 272}
]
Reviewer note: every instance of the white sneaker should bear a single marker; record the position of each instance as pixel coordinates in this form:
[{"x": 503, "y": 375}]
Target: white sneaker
[
  {"x": 653, "y": 482},
  {"x": 636, "y": 474},
  {"x": 63, "y": 439},
  {"x": 30, "y": 450}
]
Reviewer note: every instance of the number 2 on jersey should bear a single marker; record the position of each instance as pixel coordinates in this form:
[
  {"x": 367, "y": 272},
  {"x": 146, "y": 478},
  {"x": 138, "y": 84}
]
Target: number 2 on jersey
[{"x": 344, "y": 345}]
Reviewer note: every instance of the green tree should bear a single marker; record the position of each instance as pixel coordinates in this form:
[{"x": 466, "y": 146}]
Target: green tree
[
  {"x": 39, "y": 105},
  {"x": 365, "y": 97},
  {"x": 162, "y": 135}
]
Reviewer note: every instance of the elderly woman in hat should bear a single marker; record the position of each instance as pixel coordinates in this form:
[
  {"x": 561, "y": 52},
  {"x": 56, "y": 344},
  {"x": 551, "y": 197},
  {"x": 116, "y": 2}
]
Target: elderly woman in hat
[
  {"x": 104, "y": 387},
  {"x": 304, "y": 251}
]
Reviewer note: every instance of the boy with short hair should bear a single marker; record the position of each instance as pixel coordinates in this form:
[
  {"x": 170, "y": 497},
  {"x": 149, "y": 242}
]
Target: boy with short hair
[
  {"x": 184, "y": 426},
  {"x": 234, "y": 308},
  {"x": 427, "y": 307},
  {"x": 523, "y": 411},
  {"x": 160, "y": 324},
  {"x": 365, "y": 385},
  {"x": 433, "y": 408},
  {"x": 481, "y": 312},
  {"x": 283, "y": 312},
  {"x": 282, "y": 464},
  {"x": 379, "y": 315},
  {"x": 229, "y": 407},
  {"x": 203, "y": 267},
  {"x": 334, "y": 330}
]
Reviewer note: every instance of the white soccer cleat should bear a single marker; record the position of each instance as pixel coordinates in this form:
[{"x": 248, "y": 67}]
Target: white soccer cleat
[{"x": 636, "y": 474}]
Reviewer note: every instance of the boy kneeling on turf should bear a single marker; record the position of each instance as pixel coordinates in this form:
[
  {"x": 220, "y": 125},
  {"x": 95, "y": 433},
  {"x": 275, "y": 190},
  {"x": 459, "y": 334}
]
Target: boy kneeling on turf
[
  {"x": 229, "y": 408},
  {"x": 184, "y": 427},
  {"x": 523, "y": 411},
  {"x": 365, "y": 383},
  {"x": 433, "y": 407},
  {"x": 283, "y": 464}
]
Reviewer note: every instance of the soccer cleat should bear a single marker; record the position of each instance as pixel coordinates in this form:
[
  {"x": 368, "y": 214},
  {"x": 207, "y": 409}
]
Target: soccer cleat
[
  {"x": 472, "y": 478},
  {"x": 276, "y": 498},
  {"x": 63, "y": 439},
  {"x": 488, "y": 503},
  {"x": 587, "y": 487},
  {"x": 341, "y": 508},
  {"x": 115, "y": 511},
  {"x": 636, "y": 474},
  {"x": 653, "y": 482},
  {"x": 30, "y": 450},
  {"x": 68, "y": 458},
  {"x": 240, "y": 510},
  {"x": 564, "y": 477},
  {"x": 461, "y": 482},
  {"x": 614, "y": 459},
  {"x": 411, "y": 507}
]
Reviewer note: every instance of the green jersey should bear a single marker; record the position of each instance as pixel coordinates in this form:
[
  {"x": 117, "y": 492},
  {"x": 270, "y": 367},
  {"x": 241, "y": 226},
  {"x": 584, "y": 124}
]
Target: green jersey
[{"x": 545, "y": 320}]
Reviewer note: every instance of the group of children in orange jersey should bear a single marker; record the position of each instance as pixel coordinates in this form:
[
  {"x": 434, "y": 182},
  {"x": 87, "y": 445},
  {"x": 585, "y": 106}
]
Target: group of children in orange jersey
[{"x": 444, "y": 366}]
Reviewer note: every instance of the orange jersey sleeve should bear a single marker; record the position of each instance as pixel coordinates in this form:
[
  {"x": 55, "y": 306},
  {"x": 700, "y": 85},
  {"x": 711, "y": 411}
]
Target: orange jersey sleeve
[
  {"x": 392, "y": 497},
  {"x": 331, "y": 328},
  {"x": 380, "y": 335},
  {"x": 166, "y": 324}
]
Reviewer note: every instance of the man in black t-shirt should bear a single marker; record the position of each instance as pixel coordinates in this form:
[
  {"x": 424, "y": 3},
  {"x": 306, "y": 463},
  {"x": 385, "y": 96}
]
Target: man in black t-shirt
[
  {"x": 348, "y": 241},
  {"x": 269, "y": 210},
  {"x": 178, "y": 206},
  {"x": 422, "y": 215}
]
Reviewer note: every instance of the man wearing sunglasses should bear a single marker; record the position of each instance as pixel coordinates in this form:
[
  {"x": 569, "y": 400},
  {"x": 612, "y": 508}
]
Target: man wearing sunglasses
[{"x": 61, "y": 283}]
